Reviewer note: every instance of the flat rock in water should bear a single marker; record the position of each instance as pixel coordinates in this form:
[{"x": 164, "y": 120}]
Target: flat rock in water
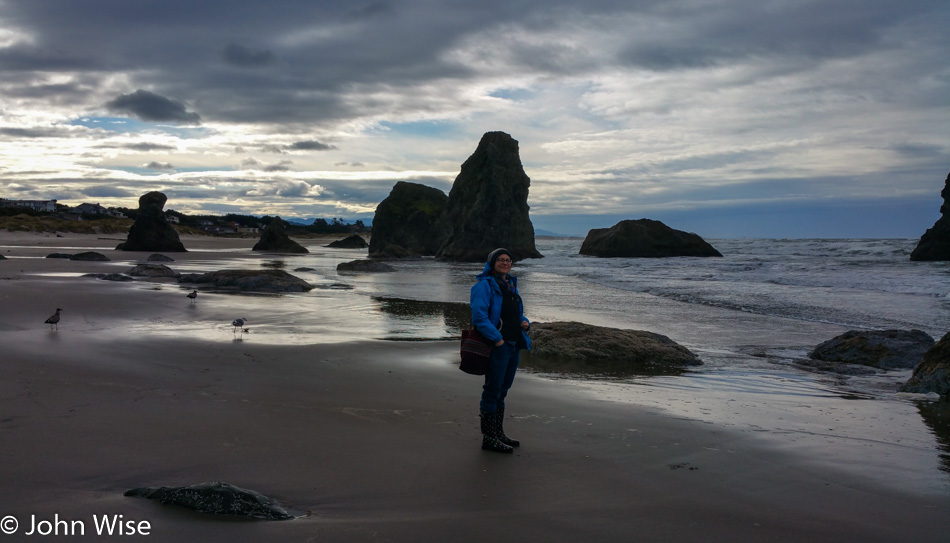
[
  {"x": 90, "y": 256},
  {"x": 109, "y": 276},
  {"x": 216, "y": 498},
  {"x": 882, "y": 349},
  {"x": 367, "y": 266},
  {"x": 585, "y": 348},
  {"x": 933, "y": 372},
  {"x": 158, "y": 257},
  {"x": 355, "y": 241},
  {"x": 59, "y": 255},
  {"x": 250, "y": 280},
  {"x": 153, "y": 270},
  {"x": 644, "y": 238}
]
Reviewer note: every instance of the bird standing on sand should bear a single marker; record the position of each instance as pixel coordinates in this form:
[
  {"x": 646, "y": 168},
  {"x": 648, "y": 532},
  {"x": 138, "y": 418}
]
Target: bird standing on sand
[
  {"x": 193, "y": 295},
  {"x": 54, "y": 320},
  {"x": 238, "y": 323}
]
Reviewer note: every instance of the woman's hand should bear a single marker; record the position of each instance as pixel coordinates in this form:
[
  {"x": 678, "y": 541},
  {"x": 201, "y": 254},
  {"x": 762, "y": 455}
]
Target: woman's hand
[
  {"x": 524, "y": 325},
  {"x": 499, "y": 343}
]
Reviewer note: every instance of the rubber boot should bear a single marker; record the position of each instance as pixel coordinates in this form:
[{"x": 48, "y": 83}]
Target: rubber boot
[
  {"x": 490, "y": 441},
  {"x": 501, "y": 429}
]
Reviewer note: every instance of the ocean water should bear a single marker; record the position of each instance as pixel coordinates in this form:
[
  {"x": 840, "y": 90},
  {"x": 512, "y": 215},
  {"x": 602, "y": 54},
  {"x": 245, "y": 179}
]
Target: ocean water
[{"x": 762, "y": 296}]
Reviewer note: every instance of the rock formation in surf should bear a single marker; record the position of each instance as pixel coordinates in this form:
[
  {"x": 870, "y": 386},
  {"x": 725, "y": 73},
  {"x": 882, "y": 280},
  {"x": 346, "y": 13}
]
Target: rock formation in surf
[
  {"x": 486, "y": 208},
  {"x": 274, "y": 239},
  {"x": 644, "y": 238},
  {"x": 150, "y": 231},
  {"x": 934, "y": 245},
  {"x": 406, "y": 222},
  {"x": 488, "y": 204}
]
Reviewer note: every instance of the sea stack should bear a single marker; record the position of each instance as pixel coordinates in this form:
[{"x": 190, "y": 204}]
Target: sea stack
[
  {"x": 274, "y": 239},
  {"x": 487, "y": 207},
  {"x": 406, "y": 222},
  {"x": 150, "y": 231},
  {"x": 934, "y": 245},
  {"x": 644, "y": 238}
]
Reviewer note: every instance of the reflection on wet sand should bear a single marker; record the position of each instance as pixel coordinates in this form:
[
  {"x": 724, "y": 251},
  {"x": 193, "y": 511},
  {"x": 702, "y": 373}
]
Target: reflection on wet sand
[
  {"x": 593, "y": 367},
  {"x": 455, "y": 315},
  {"x": 936, "y": 416}
]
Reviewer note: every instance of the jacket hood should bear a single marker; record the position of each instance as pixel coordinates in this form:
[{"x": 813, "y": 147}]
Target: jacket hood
[{"x": 487, "y": 272}]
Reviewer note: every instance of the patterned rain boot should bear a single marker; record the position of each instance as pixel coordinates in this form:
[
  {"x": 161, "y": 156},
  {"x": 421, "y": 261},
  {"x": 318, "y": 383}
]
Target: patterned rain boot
[
  {"x": 490, "y": 427},
  {"x": 500, "y": 414}
]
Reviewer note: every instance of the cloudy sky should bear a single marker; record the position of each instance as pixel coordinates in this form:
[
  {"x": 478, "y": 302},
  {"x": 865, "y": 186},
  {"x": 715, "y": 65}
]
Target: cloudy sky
[{"x": 756, "y": 118}]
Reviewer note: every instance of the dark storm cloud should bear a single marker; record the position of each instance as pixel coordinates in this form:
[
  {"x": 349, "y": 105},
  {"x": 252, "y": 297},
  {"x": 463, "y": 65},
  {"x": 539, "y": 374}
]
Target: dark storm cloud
[
  {"x": 328, "y": 50},
  {"x": 149, "y": 106},
  {"x": 715, "y": 34},
  {"x": 920, "y": 151},
  {"x": 242, "y": 56},
  {"x": 310, "y": 145},
  {"x": 282, "y": 166},
  {"x": 37, "y": 132},
  {"x": 20, "y": 58},
  {"x": 146, "y": 146},
  {"x": 159, "y": 166},
  {"x": 106, "y": 191}
]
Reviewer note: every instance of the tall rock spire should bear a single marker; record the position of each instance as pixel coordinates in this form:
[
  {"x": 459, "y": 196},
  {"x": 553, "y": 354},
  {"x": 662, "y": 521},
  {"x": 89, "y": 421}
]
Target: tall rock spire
[
  {"x": 151, "y": 232},
  {"x": 487, "y": 207}
]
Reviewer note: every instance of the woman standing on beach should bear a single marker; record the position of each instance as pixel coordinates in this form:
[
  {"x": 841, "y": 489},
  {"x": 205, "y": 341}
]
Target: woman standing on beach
[{"x": 498, "y": 313}]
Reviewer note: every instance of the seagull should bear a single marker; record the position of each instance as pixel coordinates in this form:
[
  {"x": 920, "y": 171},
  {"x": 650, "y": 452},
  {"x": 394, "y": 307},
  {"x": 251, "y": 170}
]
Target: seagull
[
  {"x": 239, "y": 323},
  {"x": 54, "y": 320},
  {"x": 193, "y": 295}
]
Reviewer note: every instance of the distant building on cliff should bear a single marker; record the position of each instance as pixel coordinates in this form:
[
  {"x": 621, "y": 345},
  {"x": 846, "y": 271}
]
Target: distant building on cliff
[
  {"x": 35, "y": 205},
  {"x": 96, "y": 209}
]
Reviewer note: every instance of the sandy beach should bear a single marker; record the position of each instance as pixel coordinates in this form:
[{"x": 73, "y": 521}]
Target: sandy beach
[{"x": 372, "y": 440}]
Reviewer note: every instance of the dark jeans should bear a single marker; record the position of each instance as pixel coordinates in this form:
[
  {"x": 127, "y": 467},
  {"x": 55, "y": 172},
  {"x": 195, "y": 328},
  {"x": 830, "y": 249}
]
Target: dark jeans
[{"x": 501, "y": 374}]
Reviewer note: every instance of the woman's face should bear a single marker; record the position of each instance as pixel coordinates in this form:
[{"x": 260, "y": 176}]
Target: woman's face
[{"x": 503, "y": 264}]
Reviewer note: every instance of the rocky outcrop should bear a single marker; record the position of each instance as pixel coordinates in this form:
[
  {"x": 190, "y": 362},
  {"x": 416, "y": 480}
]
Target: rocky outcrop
[
  {"x": 933, "y": 372},
  {"x": 406, "y": 222},
  {"x": 487, "y": 207},
  {"x": 364, "y": 266},
  {"x": 151, "y": 232},
  {"x": 934, "y": 245},
  {"x": 158, "y": 257},
  {"x": 250, "y": 280},
  {"x": 882, "y": 349},
  {"x": 153, "y": 270},
  {"x": 644, "y": 238},
  {"x": 575, "y": 347},
  {"x": 355, "y": 241},
  {"x": 216, "y": 498},
  {"x": 90, "y": 256},
  {"x": 274, "y": 239}
]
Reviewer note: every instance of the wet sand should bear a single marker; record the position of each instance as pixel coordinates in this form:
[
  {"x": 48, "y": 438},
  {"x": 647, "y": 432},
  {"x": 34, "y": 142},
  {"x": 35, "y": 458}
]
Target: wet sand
[{"x": 376, "y": 440}]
